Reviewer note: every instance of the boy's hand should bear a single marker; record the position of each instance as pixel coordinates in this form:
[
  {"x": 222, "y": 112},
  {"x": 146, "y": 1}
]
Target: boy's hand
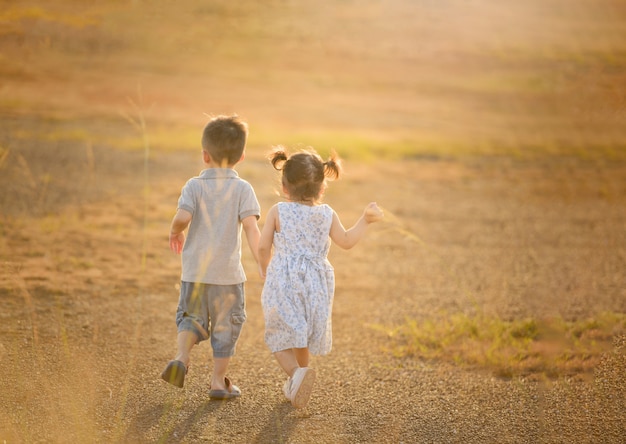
[
  {"x": 177, "y": 241},
  {"x": 373, "y": 213}
]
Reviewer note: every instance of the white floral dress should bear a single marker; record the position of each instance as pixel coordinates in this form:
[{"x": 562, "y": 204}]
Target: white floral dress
[{"x": 299, "y": 287}]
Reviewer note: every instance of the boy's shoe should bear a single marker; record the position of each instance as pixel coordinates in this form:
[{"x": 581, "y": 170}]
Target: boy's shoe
[
  {"x": 232, "y": 391},
  {"x": 175, "y": 373},
  {"x": 298, "y": 388}
]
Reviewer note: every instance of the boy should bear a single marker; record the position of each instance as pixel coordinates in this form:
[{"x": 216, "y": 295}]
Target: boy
[{"x": 214, "y": 206}]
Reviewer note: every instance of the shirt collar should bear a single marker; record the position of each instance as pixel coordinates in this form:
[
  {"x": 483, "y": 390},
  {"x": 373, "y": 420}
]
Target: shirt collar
[{"x": 218, "y": 173}]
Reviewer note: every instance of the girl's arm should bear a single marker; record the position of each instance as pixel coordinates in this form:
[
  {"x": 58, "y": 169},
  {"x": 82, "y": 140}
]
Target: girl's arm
[
  {"x": 177, "y": 230},
  {"x": 347, "y": 239},
  {"x": 267, "y": 239}
]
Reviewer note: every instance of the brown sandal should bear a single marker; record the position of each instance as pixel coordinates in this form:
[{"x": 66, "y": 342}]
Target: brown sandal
[
  {"x": 232, "y": 391},
  {"x": 175, "y": 373}
]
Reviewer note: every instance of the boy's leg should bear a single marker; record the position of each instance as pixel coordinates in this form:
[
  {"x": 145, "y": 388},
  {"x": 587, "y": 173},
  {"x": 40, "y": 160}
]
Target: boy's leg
[
  {"x": 220, "y": 365},
  {"x": 190, "y": 314},
  {"x": 190, "y": 321},
  {"x": 221, "y": 387},
  {"x": 185, "y": 341},
  {"x": 175, "y": 371},
  {"x": 227, "y": 314}
]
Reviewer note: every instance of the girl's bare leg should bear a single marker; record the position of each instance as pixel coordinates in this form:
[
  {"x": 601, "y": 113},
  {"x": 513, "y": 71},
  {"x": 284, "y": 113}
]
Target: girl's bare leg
[
  {"x": 298, "y": 388},
  {"x": 302, "y": 356},
  {"x": 293, "y": 358}
]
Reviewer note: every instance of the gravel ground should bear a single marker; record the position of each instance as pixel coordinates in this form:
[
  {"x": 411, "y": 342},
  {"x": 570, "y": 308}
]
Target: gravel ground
[{"x": 83, "y": 340}]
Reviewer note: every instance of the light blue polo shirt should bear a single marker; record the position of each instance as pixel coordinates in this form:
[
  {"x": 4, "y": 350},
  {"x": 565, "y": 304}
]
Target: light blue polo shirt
[{"x": 218, "y": 200}]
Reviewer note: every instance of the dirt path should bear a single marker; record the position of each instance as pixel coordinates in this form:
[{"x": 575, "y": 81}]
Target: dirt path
[{"x": 88, "y": 296}]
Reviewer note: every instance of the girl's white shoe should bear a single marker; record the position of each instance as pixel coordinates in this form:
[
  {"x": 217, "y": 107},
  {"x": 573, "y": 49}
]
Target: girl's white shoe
[{"x": 298, "y": 388}]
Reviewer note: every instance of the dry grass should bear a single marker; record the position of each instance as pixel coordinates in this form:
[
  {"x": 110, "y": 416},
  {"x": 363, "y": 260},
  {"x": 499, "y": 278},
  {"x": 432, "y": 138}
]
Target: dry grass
[{"x": 525, "y": 347}]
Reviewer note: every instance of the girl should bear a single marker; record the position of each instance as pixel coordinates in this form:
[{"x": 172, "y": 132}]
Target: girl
[{"x": 299, "y": 284}]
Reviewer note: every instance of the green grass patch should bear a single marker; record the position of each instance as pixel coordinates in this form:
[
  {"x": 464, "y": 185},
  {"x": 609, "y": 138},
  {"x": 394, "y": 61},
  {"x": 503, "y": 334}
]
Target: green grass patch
[
  {"x": 372, "y": 147},
  {"x": 16, "y": 14},
  {"x": 357, "y": 145},
  {"x": 550, "y": 347},
  {"x": 345, "y": 143},
  {"x": 351, "y": 144},
  {"x": 163, "y": 138}
]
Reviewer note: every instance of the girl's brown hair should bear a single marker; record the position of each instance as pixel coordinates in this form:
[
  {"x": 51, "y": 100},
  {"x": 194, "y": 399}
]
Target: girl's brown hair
[{"x": 304, "y": 173}]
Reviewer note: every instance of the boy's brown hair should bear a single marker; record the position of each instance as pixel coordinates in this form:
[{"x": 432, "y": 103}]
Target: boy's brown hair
[{"x": 224, "y": 138}]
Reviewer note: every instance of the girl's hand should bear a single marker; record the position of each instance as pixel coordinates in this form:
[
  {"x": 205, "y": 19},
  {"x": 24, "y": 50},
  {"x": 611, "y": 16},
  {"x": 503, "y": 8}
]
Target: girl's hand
[{"x": 373, "y": 213}]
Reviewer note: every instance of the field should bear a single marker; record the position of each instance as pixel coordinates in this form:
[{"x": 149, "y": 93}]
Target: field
[{"x": 489, "y": 306}]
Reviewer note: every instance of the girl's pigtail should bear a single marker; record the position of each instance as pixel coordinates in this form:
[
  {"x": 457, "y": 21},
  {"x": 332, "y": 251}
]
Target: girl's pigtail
[
  {"x": 332, "y": 167},
  {"x": 278, "y": 157}
]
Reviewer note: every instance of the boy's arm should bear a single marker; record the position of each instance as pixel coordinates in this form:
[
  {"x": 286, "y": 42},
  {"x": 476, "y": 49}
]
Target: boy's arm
[
  {"x": 177, "y": 230},
  {"x": 347, "y": 239},
  {"x": 251, "y": 228},
  {"x": 267, "y": 239}
]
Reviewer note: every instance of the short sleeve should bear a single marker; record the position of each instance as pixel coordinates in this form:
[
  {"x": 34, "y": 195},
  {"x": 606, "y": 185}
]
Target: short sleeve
[
  {"x": 248, "y": 204},
  {"x": 186, "y": 200}
]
